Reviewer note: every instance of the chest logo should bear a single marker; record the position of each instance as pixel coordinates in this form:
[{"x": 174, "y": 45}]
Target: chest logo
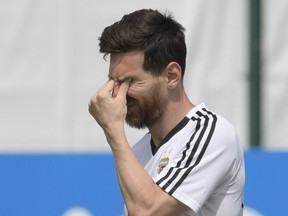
[{"x": 162, "y": 164}]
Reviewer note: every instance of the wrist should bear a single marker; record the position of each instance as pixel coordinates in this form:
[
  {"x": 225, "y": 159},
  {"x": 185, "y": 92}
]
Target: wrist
[{"x": 116, "y": 137}]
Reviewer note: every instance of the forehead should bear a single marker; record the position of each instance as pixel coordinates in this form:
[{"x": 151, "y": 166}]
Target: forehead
[{"x": 125, "y": 63}]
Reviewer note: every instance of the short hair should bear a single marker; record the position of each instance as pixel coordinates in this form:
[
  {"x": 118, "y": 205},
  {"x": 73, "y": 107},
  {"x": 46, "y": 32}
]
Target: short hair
[{"x": 158, "y": 35}]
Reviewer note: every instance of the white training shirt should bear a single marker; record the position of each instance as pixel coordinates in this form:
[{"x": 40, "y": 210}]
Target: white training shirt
[{"x": 200, "y": 163}]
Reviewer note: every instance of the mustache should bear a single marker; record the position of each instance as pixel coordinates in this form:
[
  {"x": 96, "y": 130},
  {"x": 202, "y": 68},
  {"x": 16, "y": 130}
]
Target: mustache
[{"x": 131, "y": 100}]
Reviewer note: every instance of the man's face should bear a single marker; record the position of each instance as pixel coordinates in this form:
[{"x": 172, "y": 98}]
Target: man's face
[{"x": 146, "y": 97}]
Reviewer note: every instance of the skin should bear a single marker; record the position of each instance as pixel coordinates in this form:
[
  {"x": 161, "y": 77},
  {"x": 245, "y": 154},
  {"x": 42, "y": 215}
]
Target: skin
[{"x": 130, "y": 85}]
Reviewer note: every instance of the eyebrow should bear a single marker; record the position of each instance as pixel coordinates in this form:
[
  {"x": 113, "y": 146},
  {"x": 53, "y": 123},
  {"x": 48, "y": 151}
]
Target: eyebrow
[{"x": 122, "y": 79}]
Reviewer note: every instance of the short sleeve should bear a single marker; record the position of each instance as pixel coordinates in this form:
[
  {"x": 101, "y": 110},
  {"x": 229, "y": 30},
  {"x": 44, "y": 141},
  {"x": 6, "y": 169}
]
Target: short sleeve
[{"x": 202, "y": 167}]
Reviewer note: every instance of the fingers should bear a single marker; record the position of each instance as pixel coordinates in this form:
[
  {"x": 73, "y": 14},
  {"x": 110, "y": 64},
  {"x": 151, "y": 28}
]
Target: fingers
[
  {"x": 104, "y": 104},
  {"x": 107, "y": 88},
  {"x": 114, "y": 89},
  {"x": 123, "y": 88},
  {"x": 104, "y": 92}
]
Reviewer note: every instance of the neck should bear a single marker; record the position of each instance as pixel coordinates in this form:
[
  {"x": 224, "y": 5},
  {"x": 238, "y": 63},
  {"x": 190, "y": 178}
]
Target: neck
[{"x": 174, "y": 113}]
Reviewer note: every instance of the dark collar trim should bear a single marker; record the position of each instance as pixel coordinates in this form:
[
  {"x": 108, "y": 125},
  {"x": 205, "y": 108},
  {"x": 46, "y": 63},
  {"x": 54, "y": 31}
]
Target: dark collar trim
[{"x": 175, "y": 130}]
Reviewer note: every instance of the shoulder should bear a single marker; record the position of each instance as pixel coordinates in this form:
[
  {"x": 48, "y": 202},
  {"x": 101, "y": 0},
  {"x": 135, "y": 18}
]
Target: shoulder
[
  {"x": 214, "y": 124},
  {"x": 224, "y": 144},
  {"x": 216, "y": 133}
]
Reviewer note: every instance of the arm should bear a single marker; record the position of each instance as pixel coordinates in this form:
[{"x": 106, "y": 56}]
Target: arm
[{"x": 142, "y": 196}]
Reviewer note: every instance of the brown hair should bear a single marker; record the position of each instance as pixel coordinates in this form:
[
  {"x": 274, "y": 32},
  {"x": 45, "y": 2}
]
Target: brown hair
[{"x": 159, "y": 36}]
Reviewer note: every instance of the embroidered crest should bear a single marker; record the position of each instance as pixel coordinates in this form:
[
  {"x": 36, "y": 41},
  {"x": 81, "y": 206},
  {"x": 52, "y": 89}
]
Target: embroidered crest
[
  {"x": 164, "y": 160},
  {"x": 162, "y": 164}
]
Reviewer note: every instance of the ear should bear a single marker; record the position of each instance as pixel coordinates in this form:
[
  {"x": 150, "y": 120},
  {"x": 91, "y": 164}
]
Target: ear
[{"x": 174, "y": 74}]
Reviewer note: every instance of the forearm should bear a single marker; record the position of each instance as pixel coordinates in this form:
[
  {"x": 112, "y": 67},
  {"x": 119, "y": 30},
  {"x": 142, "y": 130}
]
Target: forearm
[{"x": 137, "y": 187}]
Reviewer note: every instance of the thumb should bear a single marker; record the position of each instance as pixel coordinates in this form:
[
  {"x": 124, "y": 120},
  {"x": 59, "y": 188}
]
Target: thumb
[{"x": 123, "y": 88}]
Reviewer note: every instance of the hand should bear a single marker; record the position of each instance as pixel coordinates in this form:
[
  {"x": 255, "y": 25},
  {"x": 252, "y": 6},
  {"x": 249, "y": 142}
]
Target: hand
[{"x": 108, "y": 106}]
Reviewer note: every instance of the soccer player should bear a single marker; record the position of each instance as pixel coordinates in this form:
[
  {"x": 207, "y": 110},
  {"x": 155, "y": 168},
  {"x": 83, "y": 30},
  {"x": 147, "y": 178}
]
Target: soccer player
[{"x": 190, "y": 162}]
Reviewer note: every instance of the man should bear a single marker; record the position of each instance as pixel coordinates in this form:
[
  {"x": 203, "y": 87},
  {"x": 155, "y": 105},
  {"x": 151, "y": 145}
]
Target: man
[{"x": 190, "y": 162}]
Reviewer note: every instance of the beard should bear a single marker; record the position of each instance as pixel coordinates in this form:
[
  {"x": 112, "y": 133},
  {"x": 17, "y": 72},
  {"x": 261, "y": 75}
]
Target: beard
[{"x": 144, "y": 113}]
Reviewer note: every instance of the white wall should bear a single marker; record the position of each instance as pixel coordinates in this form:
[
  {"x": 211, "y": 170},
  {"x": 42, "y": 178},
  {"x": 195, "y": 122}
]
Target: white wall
[
  {"x": 50, "y": 66},
  {"x": 275, "y": 74}
]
